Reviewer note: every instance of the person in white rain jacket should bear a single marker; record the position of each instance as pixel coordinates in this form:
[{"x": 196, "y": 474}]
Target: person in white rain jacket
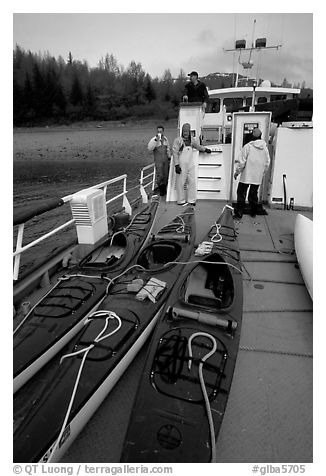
[
  {"x": 184, "y": 163},
  {"x": 252, "y": 163}
]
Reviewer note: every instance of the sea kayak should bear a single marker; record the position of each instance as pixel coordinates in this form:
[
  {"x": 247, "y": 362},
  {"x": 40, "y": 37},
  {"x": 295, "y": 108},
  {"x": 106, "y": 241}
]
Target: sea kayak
[
  {"x": 52, "y": 408},
  {"x": 60, "y": 314},
  {"x": 185, "y": 384}
]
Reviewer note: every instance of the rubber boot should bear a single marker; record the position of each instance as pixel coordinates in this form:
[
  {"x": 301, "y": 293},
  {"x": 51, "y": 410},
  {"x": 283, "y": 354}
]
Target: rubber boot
[
  {"x": 162, "y": 189},
  {"x": 238, "y": 212},
  {"x": 253, "y": 210}
]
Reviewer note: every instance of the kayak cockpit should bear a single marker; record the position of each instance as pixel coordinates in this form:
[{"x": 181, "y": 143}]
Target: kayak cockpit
[
  {"x": 210, "y": 285},
  {"x": 111, "y": 251},
  {"x": 157, "y": 254}
]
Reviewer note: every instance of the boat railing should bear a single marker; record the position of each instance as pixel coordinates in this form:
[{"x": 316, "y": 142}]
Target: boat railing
[
  {"x": 23, "y": 218},
  {"x": 142, "y": 185},
  {"x": 104, "y": 185}
]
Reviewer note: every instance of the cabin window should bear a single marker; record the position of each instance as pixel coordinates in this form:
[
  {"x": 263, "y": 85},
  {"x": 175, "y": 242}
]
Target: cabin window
[
  {"x": 232, "y": 104},
  {"x": 278, "y": 97},
  {"x": 213, "y": 105},
  {"x": 248, "y": 101},
  {"x": 261, "y": 100}
]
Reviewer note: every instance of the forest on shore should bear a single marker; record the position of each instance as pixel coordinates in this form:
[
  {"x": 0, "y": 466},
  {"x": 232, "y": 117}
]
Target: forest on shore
[{"x": 47, "y": 90}]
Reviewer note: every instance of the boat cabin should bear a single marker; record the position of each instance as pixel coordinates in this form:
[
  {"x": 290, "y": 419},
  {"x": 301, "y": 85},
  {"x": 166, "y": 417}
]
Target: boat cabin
[
  {"x": 225, "y": 133},
  {"x": 224, "y": 102}
]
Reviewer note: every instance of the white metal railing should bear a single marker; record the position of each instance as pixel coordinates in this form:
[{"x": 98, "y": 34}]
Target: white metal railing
[
  {"x": 143, "y": 177},
  {"x": 21, "y": 249},
  {"x": 125, "y": 203}
]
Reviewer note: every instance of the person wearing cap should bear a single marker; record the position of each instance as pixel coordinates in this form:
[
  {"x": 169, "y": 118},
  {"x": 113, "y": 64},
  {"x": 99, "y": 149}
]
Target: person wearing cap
[
  {"x": 184, "y": 163},
  {"x": 195, "y": 90},
  {"x": 160, "y": 147},
  {"x": 252, "y": 163}
]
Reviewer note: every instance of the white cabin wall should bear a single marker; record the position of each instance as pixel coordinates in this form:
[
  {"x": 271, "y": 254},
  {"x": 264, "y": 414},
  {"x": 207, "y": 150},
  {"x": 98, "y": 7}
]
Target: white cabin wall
[
  {"x": 293, "y": 157},
  {"x": 213, "y": 170},
  {"x": 213, "y": 118},
  {"x": 212, "y": 174},
  {"x": 193, "y": 115}
]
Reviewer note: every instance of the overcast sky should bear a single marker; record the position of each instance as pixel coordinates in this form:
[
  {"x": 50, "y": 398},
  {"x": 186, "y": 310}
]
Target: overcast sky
[{"x": 191, "y": 41}]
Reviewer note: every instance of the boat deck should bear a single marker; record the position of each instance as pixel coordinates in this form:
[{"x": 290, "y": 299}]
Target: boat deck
[{"x": 269, "y": 415}]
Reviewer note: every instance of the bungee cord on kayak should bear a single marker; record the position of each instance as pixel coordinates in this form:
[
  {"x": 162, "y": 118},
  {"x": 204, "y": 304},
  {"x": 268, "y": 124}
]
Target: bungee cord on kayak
[
  {"x": 100, "y": 337},
  {"x": 203, "y": 386}
]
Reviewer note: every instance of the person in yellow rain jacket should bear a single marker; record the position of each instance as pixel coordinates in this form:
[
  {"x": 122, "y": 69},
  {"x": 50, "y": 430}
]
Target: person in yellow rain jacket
[
  {"x": 252, "y": 163},
  {"x": 184, "y": 163}
]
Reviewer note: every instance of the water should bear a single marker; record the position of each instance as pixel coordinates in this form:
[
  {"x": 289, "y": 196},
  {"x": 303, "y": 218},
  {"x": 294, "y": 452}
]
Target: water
[{"x": 53, "y": 164}]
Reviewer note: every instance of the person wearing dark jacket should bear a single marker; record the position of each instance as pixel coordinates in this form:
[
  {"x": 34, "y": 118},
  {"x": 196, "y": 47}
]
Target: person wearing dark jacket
[{"x": 195, "y": 90}]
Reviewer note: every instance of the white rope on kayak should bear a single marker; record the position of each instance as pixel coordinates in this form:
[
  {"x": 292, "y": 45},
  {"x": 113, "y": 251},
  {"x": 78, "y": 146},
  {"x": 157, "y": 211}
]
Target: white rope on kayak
[
  {"x": 205, "y": 262},
  {"x": 182, "y": 226},
  {"x": 111, "y": 280},
  {"x": 98, "y": 338},
  {"x": 80, "y": 275},
  {"x": 124, "y": 229},
  {"x": 121, "y": 274},
  {"x": 66, "y": 277},
  {"x": 217, "y": 237},
  {"x": 229, "y": 207},
  {"x": 203, "y": 386}
]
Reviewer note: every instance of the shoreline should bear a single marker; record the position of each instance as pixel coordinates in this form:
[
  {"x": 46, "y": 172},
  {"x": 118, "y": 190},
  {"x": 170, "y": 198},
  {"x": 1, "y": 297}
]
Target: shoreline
[{"x": 100, "y": 125}]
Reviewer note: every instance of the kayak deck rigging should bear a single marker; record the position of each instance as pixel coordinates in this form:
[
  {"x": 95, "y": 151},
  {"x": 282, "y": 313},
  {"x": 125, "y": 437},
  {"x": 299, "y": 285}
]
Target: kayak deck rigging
[{"x": 172, "y": 361}]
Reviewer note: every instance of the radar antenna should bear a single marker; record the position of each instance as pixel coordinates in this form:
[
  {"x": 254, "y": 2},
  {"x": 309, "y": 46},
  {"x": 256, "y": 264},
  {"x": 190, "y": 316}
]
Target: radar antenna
[{"x": 240, "y": 45}]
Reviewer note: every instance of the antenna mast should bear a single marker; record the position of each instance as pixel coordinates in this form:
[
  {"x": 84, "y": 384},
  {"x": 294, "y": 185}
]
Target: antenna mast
[{"x": 240, "y": 45}]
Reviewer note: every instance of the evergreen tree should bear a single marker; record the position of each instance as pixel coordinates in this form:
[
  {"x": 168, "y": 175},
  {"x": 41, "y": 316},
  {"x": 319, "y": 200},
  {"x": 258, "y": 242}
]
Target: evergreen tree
[
  {"x": 60, "y": 100},
  {"x": 76, "y": 95},
  {"x": 28, "y": 97},
  {"x": 90, "y": 101},
  {"x": 38, "y": 91},
  {"x": 110, "y": 64},
  {"x": 178, "y": 87},
  {"x": 135, "y": 83},
  {"x": 18, "y": 98},
  {"x": 149, "y": 89},
  {"x": 167, "y": 85},
  {"x": 50, "y": 88}
]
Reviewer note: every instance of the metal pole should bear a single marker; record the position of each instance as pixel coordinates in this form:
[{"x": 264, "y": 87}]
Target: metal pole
[
  {"x": 252, "y": 108},
  {"x": 18, "y": 248},
  {"x": 237, "y": 76}
]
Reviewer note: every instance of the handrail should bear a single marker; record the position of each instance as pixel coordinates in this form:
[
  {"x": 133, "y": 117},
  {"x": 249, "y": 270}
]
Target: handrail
[
  {"x": 143, "y": 186},
  {"x": 23, "y": 218},
  {"x": 42, "y": 238}
]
